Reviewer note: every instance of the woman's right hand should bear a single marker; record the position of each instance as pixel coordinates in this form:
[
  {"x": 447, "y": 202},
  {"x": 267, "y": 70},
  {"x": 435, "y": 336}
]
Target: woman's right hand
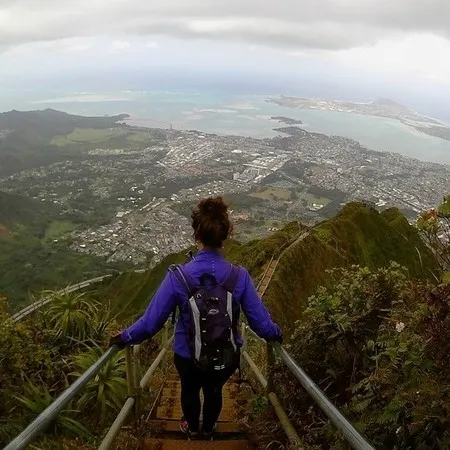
[{"x": 117, "y": 340}]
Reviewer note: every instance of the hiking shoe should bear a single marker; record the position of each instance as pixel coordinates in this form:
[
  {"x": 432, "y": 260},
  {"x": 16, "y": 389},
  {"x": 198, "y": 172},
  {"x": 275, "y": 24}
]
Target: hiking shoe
[
  {"x": 209, "y": 435},
  {"x": 184, "y": 427}
]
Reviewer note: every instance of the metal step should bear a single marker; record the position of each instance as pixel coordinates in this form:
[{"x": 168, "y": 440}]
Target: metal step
[
  {"x": 175, "y": 391},
  {"x": 173, "y": 444},
  {"x": 175, "y": 413},
  {"x": 170, "y": 388},
  {"x": 173, "y": 426}
]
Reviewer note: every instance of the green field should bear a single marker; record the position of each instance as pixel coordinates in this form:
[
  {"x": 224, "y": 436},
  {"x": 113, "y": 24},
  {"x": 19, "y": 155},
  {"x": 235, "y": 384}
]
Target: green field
[
  {"x": 58, "y": 228},
  {"x": 80, "y": 135},
  {"x": 249, "y": 230},
  {"x": 272, "y": 193},
  {"x": 97, "y": 136}
]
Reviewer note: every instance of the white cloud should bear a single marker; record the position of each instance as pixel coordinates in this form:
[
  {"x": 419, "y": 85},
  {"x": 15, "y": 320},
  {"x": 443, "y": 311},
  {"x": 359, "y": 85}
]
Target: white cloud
[
  {"x": 420, "y": 55},
  {"x": 393, "y": 37},
  {"x": 152, "y": 45},
  {"x": 322, "y": 24},
  {"x": 120, "y": 45}
]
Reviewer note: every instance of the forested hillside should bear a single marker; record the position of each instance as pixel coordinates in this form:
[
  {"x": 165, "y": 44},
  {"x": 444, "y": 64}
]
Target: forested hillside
[
  {"x": 34, "y": 250},
  {"x": 26, "y": 138}
]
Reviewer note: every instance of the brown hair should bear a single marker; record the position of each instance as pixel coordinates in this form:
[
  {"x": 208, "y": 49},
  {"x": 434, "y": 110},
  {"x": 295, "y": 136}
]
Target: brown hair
[{"x": 210, "y": 222}]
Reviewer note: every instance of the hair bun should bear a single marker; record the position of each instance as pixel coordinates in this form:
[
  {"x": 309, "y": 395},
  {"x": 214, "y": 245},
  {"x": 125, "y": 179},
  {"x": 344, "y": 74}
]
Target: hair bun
[{"x": 213, "y": 207}]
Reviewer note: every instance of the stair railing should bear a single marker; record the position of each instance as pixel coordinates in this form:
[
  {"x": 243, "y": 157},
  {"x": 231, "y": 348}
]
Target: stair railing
[
  {"x": 354, "y": 438},
  {"x": 136, "y": 387}
]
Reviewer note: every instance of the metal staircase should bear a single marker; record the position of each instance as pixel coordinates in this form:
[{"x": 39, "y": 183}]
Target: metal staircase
[{"x": 163, "y": 421}]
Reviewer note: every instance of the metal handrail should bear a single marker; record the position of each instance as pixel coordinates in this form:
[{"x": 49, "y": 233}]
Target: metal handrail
[
  {"x": 27, "y": 310},
  {"x": 50, "y": 413},
  {"x": 355, "y": 439},
  {"x": 131, "y": 400}
]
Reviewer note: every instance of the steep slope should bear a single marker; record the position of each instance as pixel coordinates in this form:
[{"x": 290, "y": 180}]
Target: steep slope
[{"x": 357, "y": 235}]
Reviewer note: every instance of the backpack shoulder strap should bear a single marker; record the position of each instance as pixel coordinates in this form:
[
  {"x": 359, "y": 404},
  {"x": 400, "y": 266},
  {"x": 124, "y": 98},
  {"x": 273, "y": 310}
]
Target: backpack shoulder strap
[
  {"x": 183, "y": 278},
  {"x": 230, "y": 283}
]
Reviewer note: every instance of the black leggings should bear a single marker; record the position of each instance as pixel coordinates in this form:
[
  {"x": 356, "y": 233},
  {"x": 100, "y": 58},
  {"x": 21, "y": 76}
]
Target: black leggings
[{"x": 192, "y": 380}]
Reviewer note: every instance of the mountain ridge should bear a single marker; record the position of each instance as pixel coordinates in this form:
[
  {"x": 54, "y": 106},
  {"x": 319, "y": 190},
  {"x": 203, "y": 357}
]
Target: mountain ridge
[{"x": 358, "y": 234}]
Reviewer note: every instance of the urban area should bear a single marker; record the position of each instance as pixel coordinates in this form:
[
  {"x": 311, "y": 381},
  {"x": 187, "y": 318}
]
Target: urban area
[{"x": 137, "y": 201}]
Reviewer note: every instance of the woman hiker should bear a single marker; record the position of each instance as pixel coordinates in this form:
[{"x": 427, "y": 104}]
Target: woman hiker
[{"x": 209, "y": 293}]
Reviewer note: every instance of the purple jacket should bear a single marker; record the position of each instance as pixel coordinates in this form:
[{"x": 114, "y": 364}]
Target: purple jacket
[{"x": 171, "y": 294}]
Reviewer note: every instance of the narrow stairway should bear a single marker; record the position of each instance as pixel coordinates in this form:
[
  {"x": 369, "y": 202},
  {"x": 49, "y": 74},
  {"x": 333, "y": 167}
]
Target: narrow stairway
[
  {"x": 164, "y": 422},
  {"x": 165, "y": 417}
]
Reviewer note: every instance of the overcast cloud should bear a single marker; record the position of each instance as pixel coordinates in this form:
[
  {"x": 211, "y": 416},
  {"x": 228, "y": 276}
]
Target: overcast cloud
[{"x": 310, "y": 24}]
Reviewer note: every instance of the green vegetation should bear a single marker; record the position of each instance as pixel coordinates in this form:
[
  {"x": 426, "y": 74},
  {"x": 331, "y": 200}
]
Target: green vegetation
[
  {"x": 310, "y": 199},
  {"x": 360, "y": 305},
  {"x": 378, "y": 344},
  {"x": 58, "y": 228},
  {"x": 273, "y": 193},
  {"x": 30, "y": 259},
  {"x": 82, "y": 135},
  {"x": 29, "y": 143},
  {"x": 357, "y": 235},
  {"x": 434, "y": 226},
  {"x": 41, "y": 138},
  {"x": 103, "y": 394},
  {"x": 104, "y": 136},
  {"x": 41, "y": 356}
]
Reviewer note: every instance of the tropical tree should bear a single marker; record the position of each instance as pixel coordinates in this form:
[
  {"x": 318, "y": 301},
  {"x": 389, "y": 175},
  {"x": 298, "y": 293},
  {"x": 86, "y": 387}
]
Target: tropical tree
[
  {"x": 71, "y": 314},
  {"x": 106, "y": 390}
]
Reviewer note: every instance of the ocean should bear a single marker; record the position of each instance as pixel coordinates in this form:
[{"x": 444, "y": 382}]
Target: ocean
[{"x": 247, "y": 115}]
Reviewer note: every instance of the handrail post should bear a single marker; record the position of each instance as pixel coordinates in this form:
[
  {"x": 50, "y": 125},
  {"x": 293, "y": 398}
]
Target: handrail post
[
  {"x": 130, "y": 372},
  {"x": 131, "y": 378},
  {"x": 137, "y": 387},
  {"x": 244, "y": 346},
  {"x": 270, "y": 365},
  {"x": 244, "y": 336},
  {"x": 164, "y": 344}
]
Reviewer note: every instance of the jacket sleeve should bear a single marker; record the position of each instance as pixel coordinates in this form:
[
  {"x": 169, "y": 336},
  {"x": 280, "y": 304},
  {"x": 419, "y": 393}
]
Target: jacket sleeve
[
  {"x": 158, "y": 311},
  {"x": 256, "y": 312}
]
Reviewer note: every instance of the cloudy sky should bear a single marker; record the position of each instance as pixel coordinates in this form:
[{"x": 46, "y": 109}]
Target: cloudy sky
[{"x": 392, "y": 41}]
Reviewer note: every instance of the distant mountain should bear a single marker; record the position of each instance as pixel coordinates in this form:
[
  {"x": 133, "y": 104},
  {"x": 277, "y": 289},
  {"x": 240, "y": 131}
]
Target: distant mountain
[
  {"x": 384, "y": 102},
  {"x": 25, "y": 137},
  {"x": 49, "y": 122}
]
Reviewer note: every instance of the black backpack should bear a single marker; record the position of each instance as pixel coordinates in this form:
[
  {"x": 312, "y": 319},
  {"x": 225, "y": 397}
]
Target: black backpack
[{"x": 213, "y": 324}]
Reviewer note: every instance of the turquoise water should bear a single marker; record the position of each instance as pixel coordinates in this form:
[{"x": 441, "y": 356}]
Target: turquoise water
[{"x": 224, "y": 113}]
